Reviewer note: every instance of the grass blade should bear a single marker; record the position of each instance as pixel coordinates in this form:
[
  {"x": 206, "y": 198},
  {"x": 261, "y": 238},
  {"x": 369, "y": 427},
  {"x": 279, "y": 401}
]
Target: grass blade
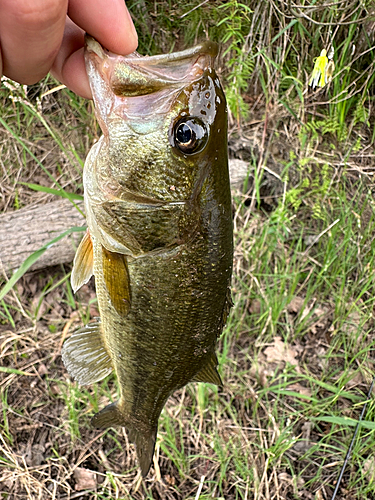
[
  {"x": 33, "y": 258},
  {"x": 58, "y": 192}
]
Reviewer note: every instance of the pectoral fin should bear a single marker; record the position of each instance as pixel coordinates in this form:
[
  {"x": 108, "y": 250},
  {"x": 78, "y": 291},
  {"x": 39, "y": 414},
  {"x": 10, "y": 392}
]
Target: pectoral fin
[
  {"x": 83, "y": 264},
  {"x": 85, "y": 356},
  {"x": 116, "y": 277},
  {"x": 209, "y": 373}
]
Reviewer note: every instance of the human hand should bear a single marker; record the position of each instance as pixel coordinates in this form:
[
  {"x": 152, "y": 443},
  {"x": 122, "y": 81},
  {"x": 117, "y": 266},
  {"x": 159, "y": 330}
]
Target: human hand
[{"x": 38, "y": 36}]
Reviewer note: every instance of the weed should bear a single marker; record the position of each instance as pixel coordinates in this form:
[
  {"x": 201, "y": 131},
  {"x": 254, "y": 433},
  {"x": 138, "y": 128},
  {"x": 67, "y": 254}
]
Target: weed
[{"x": 296, "y": 356}]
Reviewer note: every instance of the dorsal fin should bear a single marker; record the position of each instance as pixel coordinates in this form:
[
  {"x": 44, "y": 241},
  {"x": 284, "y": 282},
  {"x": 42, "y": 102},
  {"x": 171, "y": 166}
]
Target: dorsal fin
[
  {"x": 117, "y": 281},
  {"x": 83, "y": 264},
  {"x": 209, "y": 373},
  {"x": 85, "y": 356}
]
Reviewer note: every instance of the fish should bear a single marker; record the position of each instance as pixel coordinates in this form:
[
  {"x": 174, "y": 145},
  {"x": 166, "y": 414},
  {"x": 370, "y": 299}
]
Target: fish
[{"x": 160, "y": 239}]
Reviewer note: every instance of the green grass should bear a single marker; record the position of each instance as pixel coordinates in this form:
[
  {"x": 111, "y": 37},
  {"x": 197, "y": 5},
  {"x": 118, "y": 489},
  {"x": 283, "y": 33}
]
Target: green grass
[{"x": 297, "y": 353}]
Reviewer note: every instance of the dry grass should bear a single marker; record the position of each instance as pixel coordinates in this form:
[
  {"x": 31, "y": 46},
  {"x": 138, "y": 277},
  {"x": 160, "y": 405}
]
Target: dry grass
[
  {"x": 254, "y": 440},
  {"x": 297, "y": 352}
]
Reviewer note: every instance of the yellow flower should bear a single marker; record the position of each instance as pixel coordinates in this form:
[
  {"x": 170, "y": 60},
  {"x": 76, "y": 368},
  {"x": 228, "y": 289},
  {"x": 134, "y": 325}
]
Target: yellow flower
[{"x": 323, "y": 70}]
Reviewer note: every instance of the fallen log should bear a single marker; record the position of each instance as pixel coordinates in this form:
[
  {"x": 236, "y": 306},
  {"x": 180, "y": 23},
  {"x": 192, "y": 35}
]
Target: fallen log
[{"x": 25, "y": 231}]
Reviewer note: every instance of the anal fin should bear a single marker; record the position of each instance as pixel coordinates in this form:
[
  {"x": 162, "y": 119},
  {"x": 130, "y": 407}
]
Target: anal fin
[
  {"x": 85, "y": 356},
  {"x": 109, "y": 416},
  {"x": 83, "y": 264},
  {"x": 143, "y": 438},
  {"x": 209, "y": 373},
  {"x": 116, "y": 277}
]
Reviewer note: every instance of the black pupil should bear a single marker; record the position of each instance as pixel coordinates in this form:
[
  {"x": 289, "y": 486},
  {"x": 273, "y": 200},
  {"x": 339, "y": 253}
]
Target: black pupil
[{"x": 184, "y": 134}]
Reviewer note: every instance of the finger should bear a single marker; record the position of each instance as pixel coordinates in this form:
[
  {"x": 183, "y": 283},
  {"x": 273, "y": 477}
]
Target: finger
[
  {"x": 69, "y": 65},
  {"x": 109, "y": 22},
  {"x": 30, "y": 36}
]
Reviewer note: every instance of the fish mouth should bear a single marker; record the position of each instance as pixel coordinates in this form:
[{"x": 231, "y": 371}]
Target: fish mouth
[{"x": 134, "y": 75}]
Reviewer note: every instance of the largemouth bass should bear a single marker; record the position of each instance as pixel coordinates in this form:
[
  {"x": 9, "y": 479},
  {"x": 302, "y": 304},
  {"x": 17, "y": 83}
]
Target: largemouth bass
[{"x": 159, "y": 239}]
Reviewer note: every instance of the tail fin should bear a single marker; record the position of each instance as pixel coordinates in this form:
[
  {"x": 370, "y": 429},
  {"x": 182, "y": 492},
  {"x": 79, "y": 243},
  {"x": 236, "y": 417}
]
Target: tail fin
[
  {"x": 143, "y": 438},
  {"x": 145, "y": 446}
]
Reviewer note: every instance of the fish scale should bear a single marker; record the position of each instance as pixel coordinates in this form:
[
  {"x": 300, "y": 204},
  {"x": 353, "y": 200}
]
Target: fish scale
[{"x": 159, "y": 239}]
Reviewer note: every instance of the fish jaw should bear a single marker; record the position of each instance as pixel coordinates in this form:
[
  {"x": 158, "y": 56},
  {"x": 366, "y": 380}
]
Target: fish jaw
[
  {"x": 152, "y": 80},
  {"x": 136, "y": 75}
]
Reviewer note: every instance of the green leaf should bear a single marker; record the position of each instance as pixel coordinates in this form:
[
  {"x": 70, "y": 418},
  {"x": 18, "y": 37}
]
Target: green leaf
[
  {"x": 293, "y": 394},
  {"x": 59, "y": 192},
  {"x": 6, "y": 369},
  {"x": 346, "y": 421}
]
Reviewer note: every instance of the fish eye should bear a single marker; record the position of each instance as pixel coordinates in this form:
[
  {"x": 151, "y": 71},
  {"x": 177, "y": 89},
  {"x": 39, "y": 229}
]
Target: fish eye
[{"x": 189, "y": 135}]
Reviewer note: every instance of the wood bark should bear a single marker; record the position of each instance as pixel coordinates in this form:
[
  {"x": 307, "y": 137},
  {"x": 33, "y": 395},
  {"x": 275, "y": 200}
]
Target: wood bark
[{"x": 25, "y": 231}]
